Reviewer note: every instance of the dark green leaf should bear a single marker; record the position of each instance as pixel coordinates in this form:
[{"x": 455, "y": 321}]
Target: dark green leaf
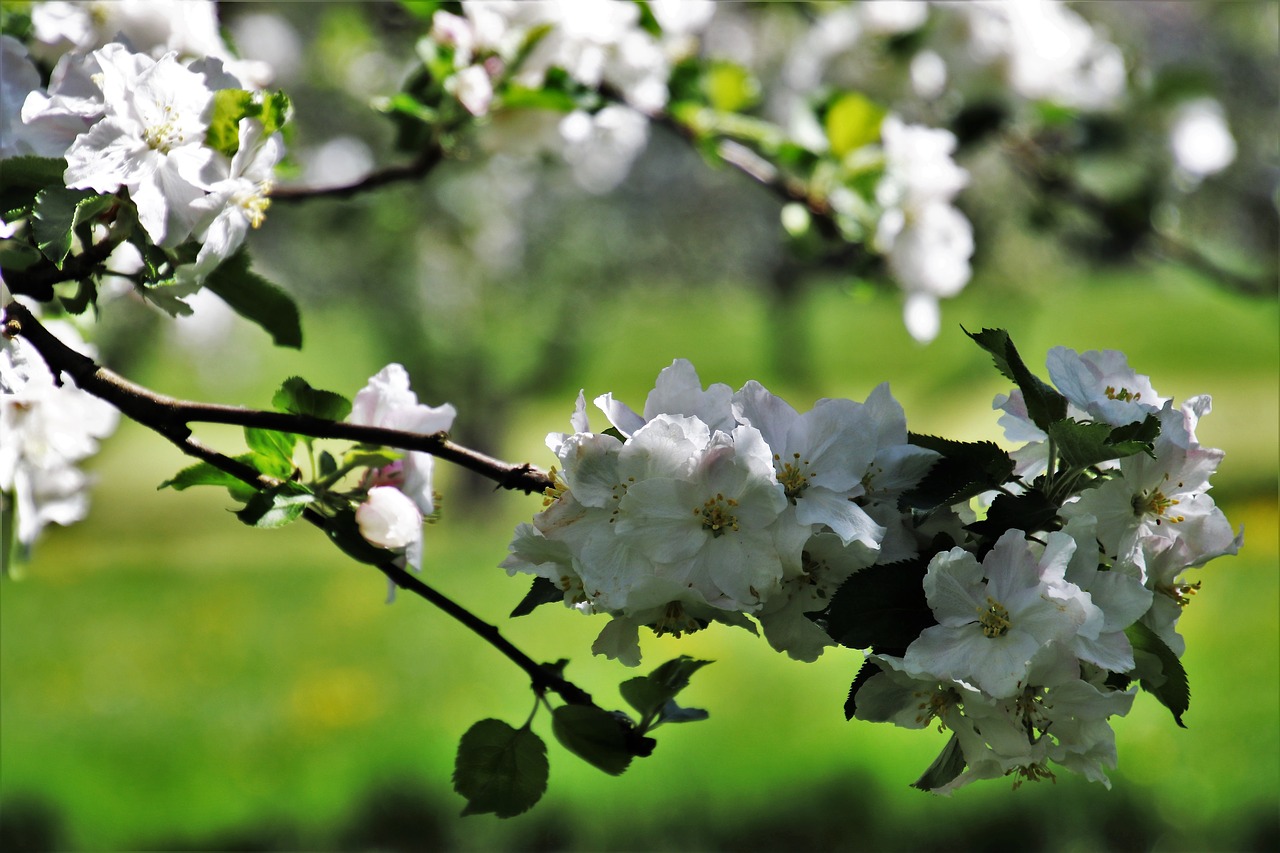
[
  {"x": 1044, "y": 404},
  {"x": 650, "y": 694},
  {"x": 499, "y": 769},
  {"x": 673, "y": 713},
  {"x": 1029, "y": 512},
  {"x": 948, "y": 765},
  {"x": 881, "y": 607},
  {"x": 542, "y": 592},
  {"x": 23, "y": 177},
  {"x": 865, "y": 671},
  {"x": 1084, "y": 444},
  {"x": 326, "y": 464},
  {"x": 298, "y": 397},
  {"x": 1170, "y": 687},
  {"x": 966, "y": 469},
  {"x": 276, "y": 506},
  {"x": 256, "y": 299},
  {"x": 594, "y": 735}
]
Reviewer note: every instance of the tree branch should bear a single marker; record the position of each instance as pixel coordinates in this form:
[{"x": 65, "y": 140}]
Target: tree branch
[
  {"x": 421, "y": 166},
  {"x": 172, "y": 417},
  {"x": 169, "y": 417}
]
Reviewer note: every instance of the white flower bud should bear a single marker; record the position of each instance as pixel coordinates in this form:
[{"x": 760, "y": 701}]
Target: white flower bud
[{"x": 389, "y": 518}]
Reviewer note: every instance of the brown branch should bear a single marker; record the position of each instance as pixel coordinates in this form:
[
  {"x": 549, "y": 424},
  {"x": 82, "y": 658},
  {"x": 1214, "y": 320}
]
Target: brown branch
[
  {"x": 170, "y": 417},
  {"x": 421, "y": 166}
]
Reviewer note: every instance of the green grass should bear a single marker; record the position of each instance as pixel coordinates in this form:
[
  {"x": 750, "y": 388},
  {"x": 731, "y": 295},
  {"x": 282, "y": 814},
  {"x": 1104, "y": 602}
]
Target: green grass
[{"x": 171, "y": 678}]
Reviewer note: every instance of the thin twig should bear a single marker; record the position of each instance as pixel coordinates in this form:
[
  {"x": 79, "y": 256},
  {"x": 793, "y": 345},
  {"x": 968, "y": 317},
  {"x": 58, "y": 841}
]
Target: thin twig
[
  {"x": 168, "y": 417},
  {"x": 425, "y": 162}
]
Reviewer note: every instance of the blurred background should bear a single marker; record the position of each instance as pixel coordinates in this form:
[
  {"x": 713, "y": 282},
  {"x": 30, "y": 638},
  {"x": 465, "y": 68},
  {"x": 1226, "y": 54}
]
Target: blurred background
[{"x": 170, "y": 679}]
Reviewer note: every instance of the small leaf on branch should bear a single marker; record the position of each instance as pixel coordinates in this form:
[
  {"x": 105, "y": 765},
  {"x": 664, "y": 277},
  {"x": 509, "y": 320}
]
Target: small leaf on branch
[
  {"x": 229, "y": 106},
  {"x": 966, "y": 469},
  {"x": 274, "y": 445},
  {"x": 276, "y": 506},
  {"x": 542, "y": 592},
  {"x": 651, "y": 694},
  {"x": 674, "y": 713},
  {"x": 593, "y": 734},
  {"x": 729, "y": 87},
  {"x": 948, "y": 765},
  {"x": 1170, "y": 686},
  {"x": 1044, "y": 404},
  {"x": 500, "y": 769},
  {"x": 53, "y": 218},
  {"x": 297, "y": 397},
  {"x": 23, "y": 177},
  {"x": 852, "y": 121},
  {"x": 258, "y": 300},
  {"x": 881, "y": 607},
  {"x": 204, "y": 474}
]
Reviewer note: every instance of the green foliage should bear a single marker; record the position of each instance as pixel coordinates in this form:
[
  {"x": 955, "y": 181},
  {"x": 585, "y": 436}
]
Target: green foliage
[
  {"x": 500, "y": 769},
  {"x": 297, "y": 397},
  {"x": 22, "y": 178},
  {"x": 881, "y": 607},
  {"x": 948, "y": 765},
  {"x": 231, "y": 105},
  {"x": 1030, "y": 511},
  {"x": 204, "y": 474},
  {"x": 598, "y": 737},
  {"x": 852, "y": 121},
  {"x": 541, "y": 592},
  {"x": 966, "y": 469},
  {"x": 729, "y": 87},
  {"x": 57, "y": 212},
  {"x": 1044, "y": 404},
  {"x": 653, "y": 695},
  {"x": 273, "y": 445},
  {"x": 277, "y": 505},
  {"x": 1082, "y": 445},
  {"x": 1163, "y": 674},
  {"x": 258, "y": 300}
]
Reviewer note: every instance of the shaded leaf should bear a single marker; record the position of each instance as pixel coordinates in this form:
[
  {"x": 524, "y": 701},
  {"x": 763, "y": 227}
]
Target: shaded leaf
[
  {"x": 594, "y": 735},
  {"x": 500, "y": 769},
  {"x": 344, "y": 532},
  {"x": 276, "y": 506},
  {"x": 1044, "y": 404},
  {"x": 881, "y": 607},
  {"x": 865, "y": 671},
  {"x": 1170, "y": 687},
  {"x": 1029, "y": 512},
  {"x": 948, "y": 765},
  {"x": 272, "y": 444},
  {"x": 53, "y": 218},
  {"x": 542, "y": 592},
  {"x": 966, "y": 469}
]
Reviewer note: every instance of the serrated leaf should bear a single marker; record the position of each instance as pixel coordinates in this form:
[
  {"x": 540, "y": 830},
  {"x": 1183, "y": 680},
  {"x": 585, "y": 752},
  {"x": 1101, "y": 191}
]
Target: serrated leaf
[
  {"x": 276, "y": 506},
  {"x": 852, "y": 121},
  {"x": 52, "y": 221},
  {"x": 272, "y": 444},
  {"x": 881, "y": 607},
  {"x": 1082, "y": 444},
  {"x": 948, "y": 765},
  {"x": 966, "y": 469},
  {"x": 1044, "y": 404},
  {"x": 274, "y": 112},
  {"x": 1029, "y": 512},
  {"x": 594, "y": 735},
  {"x": 1170, "y": 687},
  {"x": 298, "y": 397},
  {"x": 499, "y": 769},
  {"x": 541, "y": 592},
  {"x": 865, "y": 672},
  {"x": 258, "y": 300}
]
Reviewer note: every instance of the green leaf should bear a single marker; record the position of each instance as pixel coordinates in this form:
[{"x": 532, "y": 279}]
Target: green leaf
[
  {"x": 865, "y": 671},
  {"x": 1044, "y": 404},
  {"x": 204, "y": 474},
  {"x": 276, "y": 506},
  {"x": 594, "y": 735},
  {"x": 326, "y": 464},
  {"x": 881, "y": 607},
  {"x": 23, "y": 177},
  {"x": 53, "y": 218},
  {"x": 948, "y": 765},
  {"x": 258, "y": 300},
  {"x": 673, "y": 713},
  {"x": 1029, "y": 512},
  {"x": 1170, "y": 685},
  {"x": 852, "y": 121},
  {"x": 299, "y": 398},
  {"x": 229, "y": 106},
  {"x": 542, "y": 592},
  {"x": 277, "y": 446},
  {"x": 499, "y": 769},
  {"x": 1082, "y": 444},
  {"x": 966, "y": 469},
  {"x": 729, "y": 87},
  {"x": 274, "y": 112}
]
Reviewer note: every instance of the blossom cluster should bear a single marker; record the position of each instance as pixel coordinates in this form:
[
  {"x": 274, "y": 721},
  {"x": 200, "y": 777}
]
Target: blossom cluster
[
  {"x": 715, "y": 504},
  {"x": 130, "y": 105},
  {"x": 1019, "y": 632},
  {"x": 49, "y": 426}
]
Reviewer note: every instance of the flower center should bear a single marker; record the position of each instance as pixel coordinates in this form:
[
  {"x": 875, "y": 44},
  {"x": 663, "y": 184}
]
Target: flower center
[
  {"x": 717, "y": 515},
  {"x": 558, "y": 487},
  {"x": 675, "y": 621},
  {"x": 1180, "y": 592},
  {"x": 1124, "y": 394},
  {"x": 254, "y": 203},
  {"x": 994, "y": 619},
  {"x": 794, "y": 476},
  {"x": 1155, "y": 503},
  {"x": 164, "y": 136}
]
